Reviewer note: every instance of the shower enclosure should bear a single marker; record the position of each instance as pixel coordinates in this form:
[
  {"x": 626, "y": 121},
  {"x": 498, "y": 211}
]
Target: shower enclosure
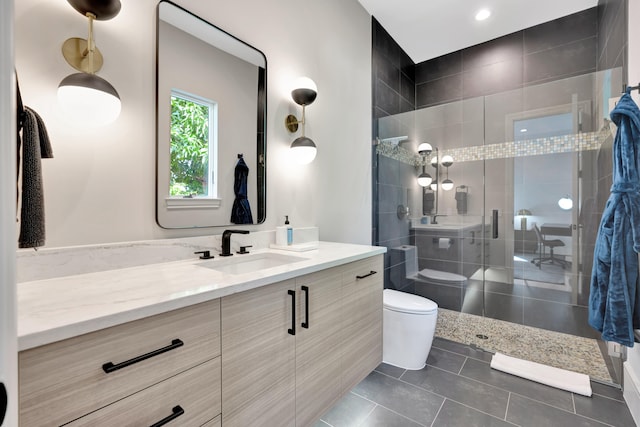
[{"x": 519, "y": 181}]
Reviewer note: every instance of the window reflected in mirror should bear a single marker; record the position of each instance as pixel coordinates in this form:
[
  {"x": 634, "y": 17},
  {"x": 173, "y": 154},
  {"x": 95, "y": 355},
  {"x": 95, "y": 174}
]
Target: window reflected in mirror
[{"x": 194, "y": 146}]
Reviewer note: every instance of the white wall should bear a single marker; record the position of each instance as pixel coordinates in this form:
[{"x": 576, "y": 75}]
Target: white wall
[{"x": 100, "y": 187}]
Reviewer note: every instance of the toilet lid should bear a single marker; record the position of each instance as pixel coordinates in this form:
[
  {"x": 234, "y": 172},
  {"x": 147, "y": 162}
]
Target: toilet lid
[
  {"x": 407, "y": 303},
  {"x": 441, "y": 276}
]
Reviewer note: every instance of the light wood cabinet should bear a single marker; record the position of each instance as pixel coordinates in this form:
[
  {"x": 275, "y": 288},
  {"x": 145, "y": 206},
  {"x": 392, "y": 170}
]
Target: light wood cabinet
[
  {"x": 277, "y": 355},
  {"x": 361, "y": 320},
  {"x": 258, "y": 357},
  {"x": 66, "y": 380},
  {"x": 184, "y": 400},
  {"x": 318, "y": 368},
  {"x": 273, "y": 376}
]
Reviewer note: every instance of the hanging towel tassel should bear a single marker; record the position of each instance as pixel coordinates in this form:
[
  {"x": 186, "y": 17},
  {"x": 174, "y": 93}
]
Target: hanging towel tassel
[{"x": 35, "y": 146}]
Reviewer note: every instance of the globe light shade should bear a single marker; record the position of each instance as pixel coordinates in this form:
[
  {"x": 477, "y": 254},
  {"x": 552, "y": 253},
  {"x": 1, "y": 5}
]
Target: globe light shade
[
  {"x": 303, "y": 150},
  {"x": 434, "y": 161},
  {"x": 447, "y": 184},
  {"x": 304, "y": 91},
  {"x": 425, "y": 149},
  {"x": 565, "y": 203},
  {"x": 424, "y": 179},
  {"x": 447, "y": 161},
  {"x": 434, "y": 186},
  {"x": 89, "y": 99}
]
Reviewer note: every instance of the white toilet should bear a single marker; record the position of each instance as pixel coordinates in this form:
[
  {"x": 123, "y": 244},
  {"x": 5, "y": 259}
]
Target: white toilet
[
  {"x": 440, "y": 277},
  {"x": 409, "y": 324}
]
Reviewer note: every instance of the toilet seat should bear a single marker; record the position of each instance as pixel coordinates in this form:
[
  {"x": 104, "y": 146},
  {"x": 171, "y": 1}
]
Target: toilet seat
[
  {"x": 407, "y": 303},
  {"x": 441, "y": 276}
]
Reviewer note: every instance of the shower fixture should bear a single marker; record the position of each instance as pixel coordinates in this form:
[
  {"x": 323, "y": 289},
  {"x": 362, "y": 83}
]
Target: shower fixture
[
  {"x": 395, "y": 140},
  {"x": 424, "y": 179}
]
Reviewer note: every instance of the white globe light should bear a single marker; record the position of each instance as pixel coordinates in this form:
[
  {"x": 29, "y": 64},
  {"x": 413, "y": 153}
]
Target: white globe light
[
  {"x": 89, "y": 99},
  {"x": 424, "y": 180},
  {"x": 447, "y": 185},
  {"x": 565, "y": 203},
  {"x": 425, "y": 148},
  {"x": 303, "y": 150}
]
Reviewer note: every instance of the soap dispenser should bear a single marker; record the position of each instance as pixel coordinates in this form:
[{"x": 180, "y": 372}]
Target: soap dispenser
[{"x": 289, "y": 230}]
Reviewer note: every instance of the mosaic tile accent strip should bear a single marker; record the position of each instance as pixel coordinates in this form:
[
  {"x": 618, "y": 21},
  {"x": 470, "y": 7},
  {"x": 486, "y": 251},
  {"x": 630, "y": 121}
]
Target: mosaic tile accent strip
[
  {"x": 525, "y": 342},
  {"x": 531, "y": 147},
  {"x": 399, "y": 153}
]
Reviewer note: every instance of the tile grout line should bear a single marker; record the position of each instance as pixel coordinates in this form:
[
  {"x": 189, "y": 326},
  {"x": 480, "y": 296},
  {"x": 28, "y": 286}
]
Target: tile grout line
[
  {"x": 376, "y": 404},
  {"x": 506, "y": 411},
  {"x": 370, "y": 412},
  {"x": 438, "y": 413}
]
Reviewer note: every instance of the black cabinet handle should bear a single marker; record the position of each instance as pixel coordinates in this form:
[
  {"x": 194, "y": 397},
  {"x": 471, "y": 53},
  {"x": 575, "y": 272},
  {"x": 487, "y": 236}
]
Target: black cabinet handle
[
  {"x": 176, "y": 412},
  {"x": 110, "y": 367},
  {"x": 371, "y": 273},
  {"x": 305, "y": 324},
  {"x": 292, "y": 330}
]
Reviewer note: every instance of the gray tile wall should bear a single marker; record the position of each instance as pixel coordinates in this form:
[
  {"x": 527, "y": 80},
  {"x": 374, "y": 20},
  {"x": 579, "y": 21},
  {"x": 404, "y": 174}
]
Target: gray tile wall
[
  {"x": 551, "y": 51},
  {"x": 393, "y": 92}
]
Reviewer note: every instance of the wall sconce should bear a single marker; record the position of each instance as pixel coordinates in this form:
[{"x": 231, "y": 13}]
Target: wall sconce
[
  {"x": 85, "y": 96},
  {"x": 565, "y": 203},
  {"x": 424, "y": 179},
  {"x": 303, "y": 148},
  {"x": 523, "y": 213},
  {"x": 447, "y": 184}
]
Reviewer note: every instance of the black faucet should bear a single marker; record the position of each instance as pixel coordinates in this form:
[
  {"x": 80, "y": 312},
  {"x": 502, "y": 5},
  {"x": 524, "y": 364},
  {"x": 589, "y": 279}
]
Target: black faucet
[
  {"x": 226, "y": 240},
  {"x": 433, "y": 220}
]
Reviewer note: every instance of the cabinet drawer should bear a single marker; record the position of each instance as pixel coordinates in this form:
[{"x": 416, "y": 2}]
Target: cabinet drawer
[
  {"x": 363, "y": 271},
  {"x": 192, "y": 398},
  {"x": 62, "y": 381}
]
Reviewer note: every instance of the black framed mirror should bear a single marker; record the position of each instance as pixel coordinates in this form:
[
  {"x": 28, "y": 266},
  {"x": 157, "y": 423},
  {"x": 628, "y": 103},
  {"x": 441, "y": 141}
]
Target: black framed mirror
[{"x": 211, "y": 107}]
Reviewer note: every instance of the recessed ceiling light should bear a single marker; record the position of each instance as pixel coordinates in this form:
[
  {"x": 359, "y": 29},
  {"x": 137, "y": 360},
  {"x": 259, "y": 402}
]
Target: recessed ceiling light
[{"x": 483, "y": 14}]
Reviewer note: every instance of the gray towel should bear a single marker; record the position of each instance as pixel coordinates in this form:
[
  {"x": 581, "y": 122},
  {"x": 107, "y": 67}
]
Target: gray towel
[{"x": 35, "y": 146}]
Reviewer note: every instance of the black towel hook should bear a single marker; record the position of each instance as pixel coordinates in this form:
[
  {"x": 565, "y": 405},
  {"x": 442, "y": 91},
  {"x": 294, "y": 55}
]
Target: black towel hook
[
  {"x": 626, "y": 88},
  {"x": 240, "y": 155},
  {"x": 20, "y": 106}
]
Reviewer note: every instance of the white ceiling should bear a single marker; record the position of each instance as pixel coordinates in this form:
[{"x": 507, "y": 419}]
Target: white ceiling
[{"x": 427, "y": 29}]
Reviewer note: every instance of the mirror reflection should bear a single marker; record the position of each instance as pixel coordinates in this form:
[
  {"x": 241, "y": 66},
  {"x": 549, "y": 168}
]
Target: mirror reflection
[{"x": 211, "y": 105}]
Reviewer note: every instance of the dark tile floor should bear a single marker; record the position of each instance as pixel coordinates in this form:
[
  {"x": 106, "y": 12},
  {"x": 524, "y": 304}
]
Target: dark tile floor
[{"x": 458, "y": 388}]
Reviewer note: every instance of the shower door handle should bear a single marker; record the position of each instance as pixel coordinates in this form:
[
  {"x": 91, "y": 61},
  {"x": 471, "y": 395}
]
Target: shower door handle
[{"x": 494, "y": 223}]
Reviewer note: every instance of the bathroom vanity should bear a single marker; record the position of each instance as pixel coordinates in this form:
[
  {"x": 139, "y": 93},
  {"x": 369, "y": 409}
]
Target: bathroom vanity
[{"x": 263, "y": 339}]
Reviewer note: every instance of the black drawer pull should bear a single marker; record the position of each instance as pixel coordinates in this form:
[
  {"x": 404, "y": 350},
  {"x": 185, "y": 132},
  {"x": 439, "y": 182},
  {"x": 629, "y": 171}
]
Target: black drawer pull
[
  {"x": 110, "y": 367},
  {"x": 176, "y": 412},
  {"x": 371, "y": 273},
  {"x": 292, "y": 330},
  {"x": 305, "y": 324}
]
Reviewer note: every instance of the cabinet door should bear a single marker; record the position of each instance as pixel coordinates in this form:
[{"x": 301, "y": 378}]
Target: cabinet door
[
  {"x": 258, "y": 357},
  {"x": 361, "y": 320},
  {"x": 318, "y": 368}
]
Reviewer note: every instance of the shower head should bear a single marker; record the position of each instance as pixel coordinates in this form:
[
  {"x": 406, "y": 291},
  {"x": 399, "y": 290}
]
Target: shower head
[{"x": 396, "y": 140}]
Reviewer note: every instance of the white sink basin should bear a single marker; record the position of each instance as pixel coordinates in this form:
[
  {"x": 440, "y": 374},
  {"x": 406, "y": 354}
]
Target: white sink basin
[{"x": 242, "y": 264}]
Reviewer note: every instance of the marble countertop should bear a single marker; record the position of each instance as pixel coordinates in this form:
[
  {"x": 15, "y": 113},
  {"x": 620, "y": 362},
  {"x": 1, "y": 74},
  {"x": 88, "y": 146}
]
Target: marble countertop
[{"x": 58, "y": 308}]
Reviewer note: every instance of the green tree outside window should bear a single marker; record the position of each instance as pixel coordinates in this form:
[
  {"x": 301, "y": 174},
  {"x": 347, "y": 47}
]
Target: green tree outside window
[{"x": 190, "y": 148}]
